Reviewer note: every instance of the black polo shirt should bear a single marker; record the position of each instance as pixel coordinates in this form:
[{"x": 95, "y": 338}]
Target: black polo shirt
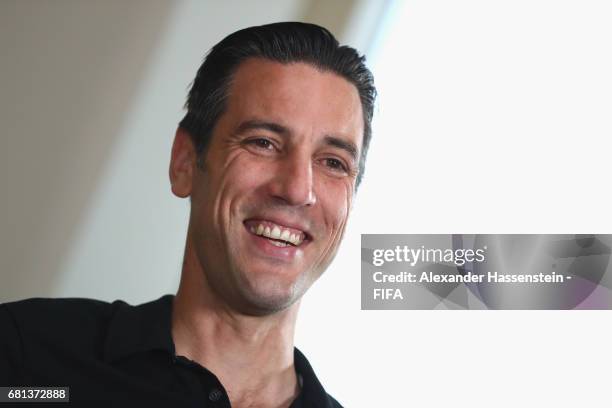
[{"x": 115, "y": 354}]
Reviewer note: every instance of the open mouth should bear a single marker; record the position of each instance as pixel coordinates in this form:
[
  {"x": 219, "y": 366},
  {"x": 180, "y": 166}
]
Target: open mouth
[{"x": 276, "y": 234}]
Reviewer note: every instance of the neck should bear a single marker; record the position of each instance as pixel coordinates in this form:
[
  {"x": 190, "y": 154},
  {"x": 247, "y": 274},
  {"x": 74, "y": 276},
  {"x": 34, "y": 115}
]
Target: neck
[{"x": 252, "y": 356}]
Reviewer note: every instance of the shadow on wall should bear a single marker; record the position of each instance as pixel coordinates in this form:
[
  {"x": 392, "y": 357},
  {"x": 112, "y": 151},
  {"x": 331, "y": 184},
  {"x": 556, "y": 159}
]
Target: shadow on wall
[{"x": 67, "y": 81}]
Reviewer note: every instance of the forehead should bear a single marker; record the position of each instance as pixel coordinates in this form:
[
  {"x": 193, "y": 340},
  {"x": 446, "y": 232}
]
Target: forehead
[{"x": 298, "y": 96}]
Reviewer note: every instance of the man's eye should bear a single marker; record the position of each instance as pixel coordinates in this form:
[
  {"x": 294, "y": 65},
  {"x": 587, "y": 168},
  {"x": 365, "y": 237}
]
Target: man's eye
[
  {"x": 335, "y": 164},
  {"x": 262, "y": 143}
]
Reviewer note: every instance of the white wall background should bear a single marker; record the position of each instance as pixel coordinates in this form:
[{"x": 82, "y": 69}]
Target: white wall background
[{"x": 493, "y": 117}]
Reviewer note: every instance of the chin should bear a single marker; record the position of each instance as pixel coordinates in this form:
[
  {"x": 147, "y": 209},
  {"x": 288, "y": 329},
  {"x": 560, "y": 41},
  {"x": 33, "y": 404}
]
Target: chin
[{"x": 269, "y": 297}]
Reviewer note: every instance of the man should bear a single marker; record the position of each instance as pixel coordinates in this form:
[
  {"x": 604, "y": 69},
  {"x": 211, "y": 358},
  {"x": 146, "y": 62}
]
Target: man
[{"x": 270, "y": 152}]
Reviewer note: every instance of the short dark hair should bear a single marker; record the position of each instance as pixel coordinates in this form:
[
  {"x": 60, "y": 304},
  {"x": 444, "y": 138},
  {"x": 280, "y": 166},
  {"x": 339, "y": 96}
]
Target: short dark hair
[{"x": 281, "y": 42}]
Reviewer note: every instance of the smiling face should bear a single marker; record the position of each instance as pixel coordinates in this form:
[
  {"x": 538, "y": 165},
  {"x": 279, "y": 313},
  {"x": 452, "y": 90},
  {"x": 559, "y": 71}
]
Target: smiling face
[{"x": 270, "y": 201}]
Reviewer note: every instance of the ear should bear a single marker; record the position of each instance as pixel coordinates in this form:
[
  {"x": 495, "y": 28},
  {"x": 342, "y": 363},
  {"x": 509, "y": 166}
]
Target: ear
[{"x": 182, "y": 164}]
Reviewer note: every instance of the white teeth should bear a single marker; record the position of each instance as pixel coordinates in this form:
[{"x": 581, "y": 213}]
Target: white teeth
[
  {"x": 276, "y": 233},
  {"x": 279, "y": 244}
]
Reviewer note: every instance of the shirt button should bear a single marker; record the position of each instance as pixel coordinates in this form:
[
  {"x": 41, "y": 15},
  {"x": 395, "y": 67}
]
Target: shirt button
[{"x": 215, "y": 395}]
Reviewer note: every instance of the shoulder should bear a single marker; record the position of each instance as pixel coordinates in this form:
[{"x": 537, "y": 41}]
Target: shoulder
[
  {"x": 38, "y": 333},
  {"x": 68, "y": 322},
  {"x": 49, "y": 306},
  {"x": 40, "y": 313}
]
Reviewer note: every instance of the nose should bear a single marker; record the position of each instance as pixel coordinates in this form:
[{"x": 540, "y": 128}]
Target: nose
[{"x": 293, "y": 184}]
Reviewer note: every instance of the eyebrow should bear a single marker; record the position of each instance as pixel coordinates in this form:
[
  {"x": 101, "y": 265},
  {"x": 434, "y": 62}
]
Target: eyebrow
[
  {"x": 349, "y": 147},
  {"x": 261, "y": 124},
  {"x": 334, "y": 141}
]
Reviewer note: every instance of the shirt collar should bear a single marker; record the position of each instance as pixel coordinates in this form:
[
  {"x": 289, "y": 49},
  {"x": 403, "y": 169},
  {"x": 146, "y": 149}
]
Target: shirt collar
[
  {"x": 141, "y": 328},
  {"x": 312, "y": 394}
]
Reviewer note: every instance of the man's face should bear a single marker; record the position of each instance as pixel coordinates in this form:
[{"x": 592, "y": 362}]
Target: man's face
[{"x": 271, "y": 201}]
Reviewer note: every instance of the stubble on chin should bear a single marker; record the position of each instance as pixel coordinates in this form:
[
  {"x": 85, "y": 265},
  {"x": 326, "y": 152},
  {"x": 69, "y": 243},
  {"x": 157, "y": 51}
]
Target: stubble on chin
[{"x": 269, "y": 295}]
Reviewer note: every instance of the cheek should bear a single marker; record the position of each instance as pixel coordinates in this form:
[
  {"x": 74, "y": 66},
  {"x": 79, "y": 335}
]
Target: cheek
[
  {"x": 239, "y": 178},
  {"x": 336, "y": 197}
]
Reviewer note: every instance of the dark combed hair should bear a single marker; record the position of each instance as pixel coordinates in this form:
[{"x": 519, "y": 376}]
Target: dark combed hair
[{"x": 281, "y": 42}]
